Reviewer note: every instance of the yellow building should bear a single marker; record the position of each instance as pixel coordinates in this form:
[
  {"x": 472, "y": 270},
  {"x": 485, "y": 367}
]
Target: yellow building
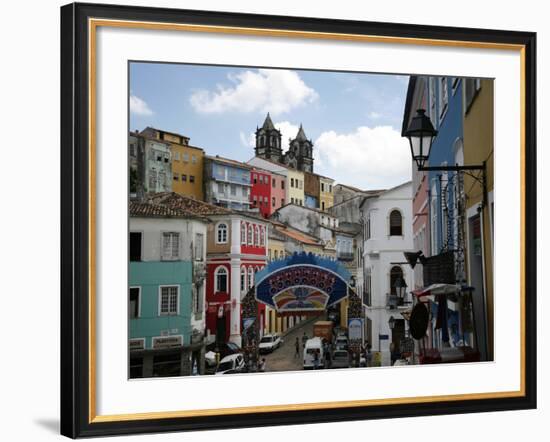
[
  {"x": 326, "y": 192},
  {"x": 478, "y": 148},
  {"x": 295, "y": 187},
  {"x": 187, "y": 163}
]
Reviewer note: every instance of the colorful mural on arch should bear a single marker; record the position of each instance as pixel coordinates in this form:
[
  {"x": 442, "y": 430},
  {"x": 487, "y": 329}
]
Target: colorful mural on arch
[{"x": 302, "y": 282}]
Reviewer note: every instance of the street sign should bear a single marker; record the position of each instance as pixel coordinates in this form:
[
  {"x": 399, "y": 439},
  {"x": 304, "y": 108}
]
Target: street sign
[{"x": 383, "y": 337}]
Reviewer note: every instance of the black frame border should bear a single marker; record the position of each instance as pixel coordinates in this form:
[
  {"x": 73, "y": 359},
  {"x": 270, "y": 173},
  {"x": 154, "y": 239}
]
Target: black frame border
[{"x": 75, "y": 219}]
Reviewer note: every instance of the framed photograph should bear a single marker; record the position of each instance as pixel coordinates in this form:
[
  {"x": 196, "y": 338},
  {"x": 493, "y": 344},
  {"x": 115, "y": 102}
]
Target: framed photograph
[{"x": 273, "y": 220}]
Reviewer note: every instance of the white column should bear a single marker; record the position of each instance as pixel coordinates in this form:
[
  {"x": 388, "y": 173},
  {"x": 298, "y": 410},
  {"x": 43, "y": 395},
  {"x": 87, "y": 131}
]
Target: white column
[
  {"x": 235, "y": 287},
  {"x": 235, "y": 236}
]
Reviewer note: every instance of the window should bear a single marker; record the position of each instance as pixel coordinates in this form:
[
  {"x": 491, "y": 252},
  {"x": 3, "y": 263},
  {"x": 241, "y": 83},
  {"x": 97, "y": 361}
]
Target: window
[
  {"x": 191, "y": 178},
  {"x": 183, "y": 177},
  {"x": 220, "y": 279},
  {"x": 135, "y": 246},
  {"x": 132, "y": 150},
  {"x": 471, "y": 87},
  {"x": 396, "y": 228},
  {"x": 250, "y": 235},
  {"x": 275, "y": 254},
  {"x": 282, "y": 184},
  {"x": 273, "y": 201},
  {"x": 177, "y": 156},
  {"x": 199, "y": 246},
  {"x": 257, "y": 235},
  {"x": 322, "y": 205},
  {"x": 133, "y": 308},
  {"x": 255, "y": 178},
  {"x": 282, "y": 201},
  {"x": 176, "y": 177},
  {"x": 395, "y": 274},
  {"x": 330, "y": 188},
  {"x": 186, "y": 157},
  {"x": 233, "y": 190},
  {"x": 292, "y": 182},
  {"x": 197, "y": 299},
  {"x": 368, "y": 227},
  {"x": 221, "y": 188},
  {"x": 193, "y": 159},
  {"x": 169, "y": 300},
  {"x": 243, "y": 279},
  {"x": 291, "y": 200},
  {"x": 159, "y": 158},
  {"x": 245, "y": 192},
  {"x": 250, "y": 277},
  {"x": 322, "y": 187},
  {"x": 243, "y": 233},
  {"x": 443, "y": 97},
  {"x": 221, "y": 233},
  {"x": 273, "y": 182},
  {"x": 262, "y": 236},
  {"x": 170, "y": 246}
]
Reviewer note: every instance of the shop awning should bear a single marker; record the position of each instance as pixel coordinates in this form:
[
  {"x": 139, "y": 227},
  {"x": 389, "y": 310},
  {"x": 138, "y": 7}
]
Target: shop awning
[{"x": 436, "y": 289}]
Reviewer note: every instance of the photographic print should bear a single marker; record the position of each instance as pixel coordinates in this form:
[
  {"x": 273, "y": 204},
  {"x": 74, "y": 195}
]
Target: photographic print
[
  {"x": 288, "y": 220},
  {"x": 265, "y": 205}
]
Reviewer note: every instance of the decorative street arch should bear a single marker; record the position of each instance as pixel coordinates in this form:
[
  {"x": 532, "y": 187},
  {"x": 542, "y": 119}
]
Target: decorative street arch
[{"x": 302, "y": 283}]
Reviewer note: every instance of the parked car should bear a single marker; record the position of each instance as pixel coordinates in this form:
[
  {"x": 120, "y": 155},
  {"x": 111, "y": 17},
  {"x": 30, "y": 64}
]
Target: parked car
[
  {"x": 269, "y": 343},
  {"x": 340, "y": 359},
  {"x": 224, "y": 349},
  {"x": 232, "y": 364},
  {"x": 341, "y": 343},
  {"x": 314, "y": 345}
]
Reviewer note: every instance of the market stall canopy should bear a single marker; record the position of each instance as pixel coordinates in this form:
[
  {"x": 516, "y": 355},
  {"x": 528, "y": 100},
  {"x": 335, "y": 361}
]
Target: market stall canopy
[
  {"x": 302, "y": 282},
  {"x": 428, "y": 293}
]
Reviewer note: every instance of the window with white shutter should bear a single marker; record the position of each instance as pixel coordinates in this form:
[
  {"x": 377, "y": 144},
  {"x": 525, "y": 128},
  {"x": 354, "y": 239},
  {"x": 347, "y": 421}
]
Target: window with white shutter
[
  {"x": 170, "y": 246},
  {"x": 169, "y": 300}
]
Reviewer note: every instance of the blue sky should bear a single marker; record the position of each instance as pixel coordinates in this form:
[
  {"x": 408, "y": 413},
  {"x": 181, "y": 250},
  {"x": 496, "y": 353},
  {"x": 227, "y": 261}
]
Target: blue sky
[{"x": 354, "y": 120}]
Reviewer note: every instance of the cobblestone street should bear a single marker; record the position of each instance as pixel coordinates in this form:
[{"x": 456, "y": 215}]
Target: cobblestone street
[{"x": 284, "y": 359}]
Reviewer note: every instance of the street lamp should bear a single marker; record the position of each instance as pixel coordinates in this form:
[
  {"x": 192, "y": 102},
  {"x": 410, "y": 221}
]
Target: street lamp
[
  {"x": 400, "y": 287},
  {"x": 391, "y": 322},
  {"x": 421, "y": 134}
]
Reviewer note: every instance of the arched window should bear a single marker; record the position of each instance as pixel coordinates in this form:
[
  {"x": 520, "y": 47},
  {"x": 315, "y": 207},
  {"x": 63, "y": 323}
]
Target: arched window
[
  {"x": 221, "y": 233},
  {"x": 395, "y": 274},
  {"x": 275, "y": 254},
  {"x": 243, "y": 233},
  {"x": 262, "y": 236},
  {"x": 220, "y": 278},
  {"x": 243, "y": 279},
  {"x": 256, "y": 235},
  {"x": 396, "y": 223},
  {"x": 250, "y": 235},
  {"x": 250, "y": 277}
]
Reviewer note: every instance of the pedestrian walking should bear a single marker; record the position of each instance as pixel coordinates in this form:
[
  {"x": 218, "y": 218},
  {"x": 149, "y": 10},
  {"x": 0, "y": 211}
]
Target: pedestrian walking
[
  {"x": 297, "y": 345},
  {"x": 304, "y": 339},
  {"x": 316, "y": 359},
  {"x": 262, "y": 365}
]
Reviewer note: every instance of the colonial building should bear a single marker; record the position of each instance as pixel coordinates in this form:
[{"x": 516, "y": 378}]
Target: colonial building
[
  {"x": 236, "y": 247},
  {"x": 166, "y": 290},
  {"x": 150, "y": 165},
  {"x": 312, "y": 190},
  {"x": 326, "y": 192},
  {"x": 478, "y": 149},
  {"x": 268, "y": 146},
  {"x": 187, "y": 162},
  {"x": 227, "y": 183},
  {"x": 312, "y": 221},
  {"x": 267, "y": 191},
  {"x": 387, "y": 234}
]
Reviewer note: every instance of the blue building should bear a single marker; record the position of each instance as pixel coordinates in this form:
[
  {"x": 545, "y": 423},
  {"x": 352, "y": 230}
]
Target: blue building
[{"x": 227, "y": 183}]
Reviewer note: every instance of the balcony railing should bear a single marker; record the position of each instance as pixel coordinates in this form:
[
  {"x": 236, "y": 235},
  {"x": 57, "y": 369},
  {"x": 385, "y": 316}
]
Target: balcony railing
[
  {"x": 344, "y": 256},
  {"x": 395, "y": 301}
]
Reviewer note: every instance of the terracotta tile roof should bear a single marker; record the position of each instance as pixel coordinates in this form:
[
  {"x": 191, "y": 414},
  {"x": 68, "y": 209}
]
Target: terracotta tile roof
[
  {"x": 176, "y": 201},
  {"x": 228, "y": 161},
  {"x": 299, "y": 236},
  {"x": 149, "y": 209}
]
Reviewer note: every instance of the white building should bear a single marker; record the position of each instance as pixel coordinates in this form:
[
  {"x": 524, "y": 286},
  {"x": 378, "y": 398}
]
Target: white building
[{"x": 387, "y": 234}]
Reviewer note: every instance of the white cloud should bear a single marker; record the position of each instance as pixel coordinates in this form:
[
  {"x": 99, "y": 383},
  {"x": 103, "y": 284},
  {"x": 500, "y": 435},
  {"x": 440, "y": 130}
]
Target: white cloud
[
  {"x": 138, "y": 106},
  {"x": 247, "y": 140},
  {"x": 367, "y": 158},
  {"x": 375, "y": 115},
  {"x": 265, "y": 90}
]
